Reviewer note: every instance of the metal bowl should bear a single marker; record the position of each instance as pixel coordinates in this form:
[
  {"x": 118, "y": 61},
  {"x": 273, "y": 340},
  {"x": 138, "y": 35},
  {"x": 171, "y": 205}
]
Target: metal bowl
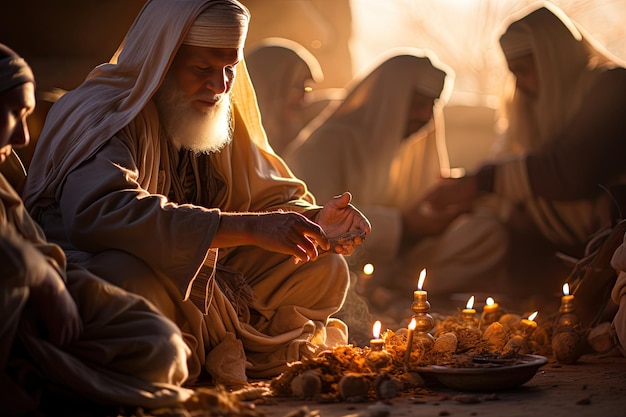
[{"x": 489, "y": 376}]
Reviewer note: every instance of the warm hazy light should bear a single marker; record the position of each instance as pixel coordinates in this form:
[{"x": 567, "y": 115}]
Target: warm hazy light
[
  {"x": 420, "y": 281},
  {"x": 376, "y": 329},
  {"x": 368, "y": 269},
  {"x": 532, "y": 316},
  {"x": 413, "y": 324},
  {"x": 489, "y": 301},
  {"x": 566, "y": 289},
  {"x": 470, "y": 303}
]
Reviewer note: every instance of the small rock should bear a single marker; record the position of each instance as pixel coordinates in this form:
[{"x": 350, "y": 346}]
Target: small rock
[{"x": 466, "y": 399}]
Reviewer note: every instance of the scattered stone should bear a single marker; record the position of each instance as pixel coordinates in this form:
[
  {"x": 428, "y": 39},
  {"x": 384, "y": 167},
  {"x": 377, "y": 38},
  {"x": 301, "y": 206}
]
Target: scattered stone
[
  {"x": 584, "y": 401},
  {"x": 466, "y": 399},
  {"x": 354, "y": 387},
  {"x": 378, "y": 410},
  {"x": 306, "y": 385}
]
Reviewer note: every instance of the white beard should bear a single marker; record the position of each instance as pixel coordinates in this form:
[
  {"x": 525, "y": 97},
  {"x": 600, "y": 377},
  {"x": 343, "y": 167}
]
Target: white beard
[{"x": 190, "y": 128}]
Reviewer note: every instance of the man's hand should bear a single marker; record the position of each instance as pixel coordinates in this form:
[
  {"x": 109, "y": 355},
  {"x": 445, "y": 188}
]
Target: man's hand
[
  {"x": 290, "y": 233},
  {"x": 452, "y": 192},
  {"x": 422, "y": 220},
  {"x": 342, "y": 222}
]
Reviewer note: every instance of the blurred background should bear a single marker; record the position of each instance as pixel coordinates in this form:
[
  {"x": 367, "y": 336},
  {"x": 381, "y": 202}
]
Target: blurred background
[{"x": 64, "y": 39}]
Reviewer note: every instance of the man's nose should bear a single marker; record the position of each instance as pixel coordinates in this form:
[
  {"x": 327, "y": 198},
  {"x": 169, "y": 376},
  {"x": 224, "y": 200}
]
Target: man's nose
[
  {"x": 217, "y": 82},
  {"x": 21, "y": 135}
]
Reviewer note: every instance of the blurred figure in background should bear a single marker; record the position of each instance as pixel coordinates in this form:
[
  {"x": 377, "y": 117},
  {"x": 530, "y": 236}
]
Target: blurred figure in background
[
  {"x": 385, "y": 142},
  {"x": 284, "y": 73},
  {"x": 561, "y": 151}
]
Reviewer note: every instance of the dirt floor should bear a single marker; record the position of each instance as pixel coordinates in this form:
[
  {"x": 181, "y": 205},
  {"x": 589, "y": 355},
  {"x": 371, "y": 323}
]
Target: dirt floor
[{"x": 594, "y": 386}]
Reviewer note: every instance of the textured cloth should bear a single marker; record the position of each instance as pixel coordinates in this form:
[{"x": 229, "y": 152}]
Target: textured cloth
[
  {"x": 570, "y": 67},
  {"x": 127, "y": 354},
  {"x": 99, "y": 186}
]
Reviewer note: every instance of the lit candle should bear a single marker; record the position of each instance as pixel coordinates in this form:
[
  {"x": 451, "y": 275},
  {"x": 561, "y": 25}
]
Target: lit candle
[
  {"x": 469, "y": 307},
  {"x": 377, "y": 344},
  {"x": 420, "y": 294},
  {"x": 409, "y": 342},
  {"x": 469, "y": 312},
  {"x": 566, "y": 298},
  {"x": 567, "y": 316},
  {"x": 528, "y": 326},
  {"x": 490, "y": 306},
  {"x": 364, "y": 278},
  {"x": 368, "y": 270},
  {"x": 491, "y": 313}
]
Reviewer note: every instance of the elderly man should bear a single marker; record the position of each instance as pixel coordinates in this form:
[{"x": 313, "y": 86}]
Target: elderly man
[
  {"x": 156, "y": 174},
  {"x": 385, "y": 144},
  {"x": 64, "y": 331}
]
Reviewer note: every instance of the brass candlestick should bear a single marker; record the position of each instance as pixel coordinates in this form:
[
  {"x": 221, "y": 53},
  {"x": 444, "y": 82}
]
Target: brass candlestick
[
  {"x": 567, "y": 317},
  {"x": 424, "y": 322}
]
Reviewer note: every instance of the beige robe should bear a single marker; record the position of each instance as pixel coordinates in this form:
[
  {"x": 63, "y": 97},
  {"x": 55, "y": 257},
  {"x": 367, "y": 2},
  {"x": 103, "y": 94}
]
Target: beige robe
[
  {"x": 127, "y": 354},
  {"x": 361, "y": 147},
  {"x": 99, "y": 185}
]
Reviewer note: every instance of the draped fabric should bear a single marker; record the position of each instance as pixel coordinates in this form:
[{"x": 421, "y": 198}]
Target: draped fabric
[
  {"x": 127, "y": 354},
  {"x": 102, "y": 171},
  {"x": 568, "y": 62}
]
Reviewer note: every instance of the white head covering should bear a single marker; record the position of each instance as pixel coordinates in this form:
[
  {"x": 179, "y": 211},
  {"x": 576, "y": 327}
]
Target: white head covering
[{"x": 218, "y": 27}]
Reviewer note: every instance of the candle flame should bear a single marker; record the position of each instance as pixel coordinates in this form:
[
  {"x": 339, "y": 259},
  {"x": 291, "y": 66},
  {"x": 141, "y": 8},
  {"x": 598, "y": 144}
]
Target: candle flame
[
  {"x": 566, "y": 289},
  {"x": 489, "y": 301},
  {"x": 376, "y": 329},
  {"x": 532, "y": 316},
  {"x": 413, "y": 324},
  {"x": 420, "y": 282},
  {"x": 470, "y": 303},
  {"x": 368, "y": 269}
]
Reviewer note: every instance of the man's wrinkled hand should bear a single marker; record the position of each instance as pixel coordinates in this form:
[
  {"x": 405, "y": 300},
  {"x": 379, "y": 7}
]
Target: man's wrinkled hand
[{"x": 343, "y": 224}]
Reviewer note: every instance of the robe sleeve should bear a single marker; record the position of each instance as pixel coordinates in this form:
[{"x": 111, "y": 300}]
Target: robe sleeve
[{"x": 105, "y": 207}]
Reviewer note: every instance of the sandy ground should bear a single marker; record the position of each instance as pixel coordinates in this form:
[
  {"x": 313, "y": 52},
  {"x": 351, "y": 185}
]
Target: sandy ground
[{"x": 594, "y": 386}]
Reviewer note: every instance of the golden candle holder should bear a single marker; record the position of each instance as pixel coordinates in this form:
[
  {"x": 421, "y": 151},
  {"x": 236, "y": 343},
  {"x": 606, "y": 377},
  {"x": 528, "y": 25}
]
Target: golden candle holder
[
  {"x": 567, "y": 317},
  {"x": 424, "y": 322}
]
